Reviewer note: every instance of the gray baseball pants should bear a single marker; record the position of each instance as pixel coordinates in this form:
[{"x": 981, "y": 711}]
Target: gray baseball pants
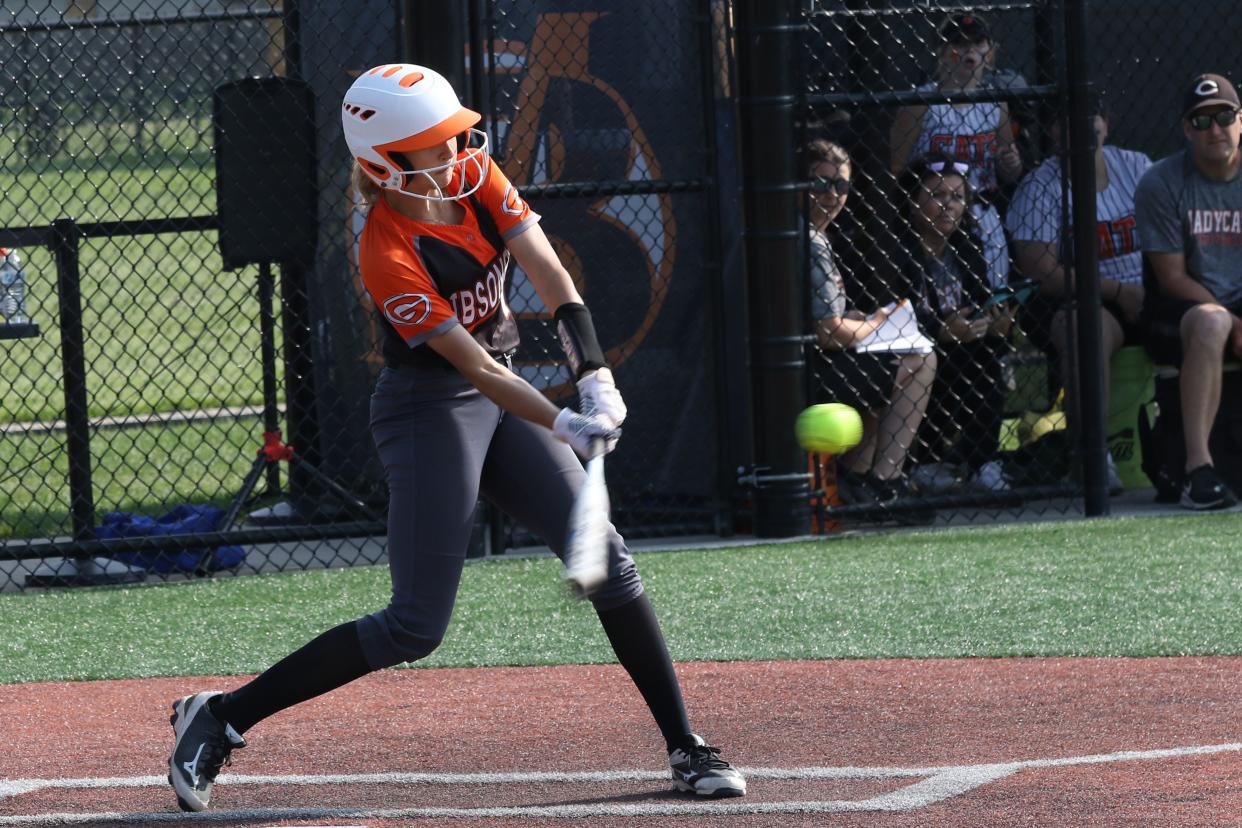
[{"x": 442, "y": 444}]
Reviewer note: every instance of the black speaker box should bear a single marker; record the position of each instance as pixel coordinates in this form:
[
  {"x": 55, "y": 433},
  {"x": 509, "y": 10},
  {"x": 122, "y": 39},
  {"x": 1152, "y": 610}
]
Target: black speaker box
[{"x": 266, "y": 171}]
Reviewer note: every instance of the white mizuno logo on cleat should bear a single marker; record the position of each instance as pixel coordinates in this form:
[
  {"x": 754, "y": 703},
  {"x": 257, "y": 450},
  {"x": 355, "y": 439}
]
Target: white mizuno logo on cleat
[{"x": 192, "y": 767}]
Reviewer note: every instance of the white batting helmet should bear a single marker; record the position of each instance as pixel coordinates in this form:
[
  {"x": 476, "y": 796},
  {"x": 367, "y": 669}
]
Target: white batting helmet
[{"x": 401, "y": 107}]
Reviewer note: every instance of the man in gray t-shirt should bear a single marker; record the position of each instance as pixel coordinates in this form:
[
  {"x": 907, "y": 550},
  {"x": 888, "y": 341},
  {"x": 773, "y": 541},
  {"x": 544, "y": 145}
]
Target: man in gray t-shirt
[{"x": 1189, "y": 213}]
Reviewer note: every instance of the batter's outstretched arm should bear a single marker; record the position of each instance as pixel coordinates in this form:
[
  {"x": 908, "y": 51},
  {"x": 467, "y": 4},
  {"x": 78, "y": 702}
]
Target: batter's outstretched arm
[
  {"x": 518, "y": 397},
  {"x": 597, "y": 392},
  {"x": 495, "y": 381},
  {"x": 543, "y": 267}
]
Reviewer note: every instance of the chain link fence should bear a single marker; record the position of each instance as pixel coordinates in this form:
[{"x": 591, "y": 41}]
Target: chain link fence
[
  {"x": 135, "y": 387},
  {"x": 916, "y": 139},
  {"x": 941, "y": 246},
  {"x": 159, "y": 392},
  {"x": 603, "y": 116}
]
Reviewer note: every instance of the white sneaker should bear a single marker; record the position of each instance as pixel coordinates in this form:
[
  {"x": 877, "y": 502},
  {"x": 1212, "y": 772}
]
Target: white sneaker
[
  {"x": 991, "y": 476},
  {"x": 701, "y": 771},
  {"x": 203, "y": 745},
  {"x": 934, "y": 477}
]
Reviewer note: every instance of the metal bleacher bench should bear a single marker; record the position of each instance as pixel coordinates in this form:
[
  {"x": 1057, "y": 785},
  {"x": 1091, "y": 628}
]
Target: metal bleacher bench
[{"x": 1168, "y": 372}]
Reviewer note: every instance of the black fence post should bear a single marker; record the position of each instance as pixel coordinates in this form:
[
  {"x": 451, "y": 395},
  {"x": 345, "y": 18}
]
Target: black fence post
[
  {"x": 480, "y": 62},
  {"x": 767, "y": 57},
  {"x": 407, "y": 18},
  {"x": 435, "y": 37},
  {"x": 1086, "y": 286},
  {"x": 291, "y": 20},
  {"x": 267, "y": 348},
  {"x": 301, "y": 401},
  {"x": 1049, "y": 67},
  {"x": 301, "y": 414},
  {"x": 73, "y": 360},
  {"x": 727, "y": 375},
  {"x": 79, "y": 568}
]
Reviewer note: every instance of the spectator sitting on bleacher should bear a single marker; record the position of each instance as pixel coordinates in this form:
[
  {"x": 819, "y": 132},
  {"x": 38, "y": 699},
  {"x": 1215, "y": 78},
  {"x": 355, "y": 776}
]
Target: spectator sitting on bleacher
[
  {"x": 890, "y": 390},
  {"x": 979, "y": 134},
  {"x": 942, "y": 265},
  {"x": 1189, "y": 209},
  {"x": 1043, "y": 250}
]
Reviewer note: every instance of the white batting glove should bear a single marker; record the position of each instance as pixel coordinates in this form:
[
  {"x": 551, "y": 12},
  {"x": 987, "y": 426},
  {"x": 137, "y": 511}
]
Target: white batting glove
[
  {"x": 578, "y": 430},
  {"x": 599, "y": 396}
]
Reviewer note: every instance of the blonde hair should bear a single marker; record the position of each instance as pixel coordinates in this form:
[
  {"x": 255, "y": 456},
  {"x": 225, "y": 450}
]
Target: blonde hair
[{"x": 363, "y": 184}]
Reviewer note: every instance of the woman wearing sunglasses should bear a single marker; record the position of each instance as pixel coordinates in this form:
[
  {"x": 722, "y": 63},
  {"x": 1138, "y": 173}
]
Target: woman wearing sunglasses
[
  {"x": 890, "y": 390},
  {"x": 979, "y": 134},
  {"x": 941, "y": 264},
  {"x": 1189, "y": 210},
  {"x": 1043, "y": 250}
]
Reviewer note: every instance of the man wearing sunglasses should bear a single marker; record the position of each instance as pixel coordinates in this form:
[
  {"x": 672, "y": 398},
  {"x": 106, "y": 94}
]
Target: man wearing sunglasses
[{"x": 1189, "y": 211}]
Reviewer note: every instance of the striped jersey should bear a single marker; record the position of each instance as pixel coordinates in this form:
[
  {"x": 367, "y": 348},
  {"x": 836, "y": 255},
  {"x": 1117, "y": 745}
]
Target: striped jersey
[
  {"x": 1035, "y": 212},
  {"x": 427, "y": 278},
  {"x": 966, "y": 132}
]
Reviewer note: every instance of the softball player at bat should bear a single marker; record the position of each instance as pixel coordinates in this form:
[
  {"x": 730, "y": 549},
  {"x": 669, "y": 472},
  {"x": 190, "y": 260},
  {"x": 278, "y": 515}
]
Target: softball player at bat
[
  {"x": 451, "y": 421},
  {"x": 980, "y": 134}
]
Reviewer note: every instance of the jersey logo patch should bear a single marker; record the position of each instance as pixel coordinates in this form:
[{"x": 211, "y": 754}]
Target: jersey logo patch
[
  {"x": 512, "y": 204},
  {"x": 407, "y": 308}
]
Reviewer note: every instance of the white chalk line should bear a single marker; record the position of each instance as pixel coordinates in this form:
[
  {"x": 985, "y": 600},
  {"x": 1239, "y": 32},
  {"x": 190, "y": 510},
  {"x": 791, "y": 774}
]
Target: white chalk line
[{"x": 936, "y": 784}]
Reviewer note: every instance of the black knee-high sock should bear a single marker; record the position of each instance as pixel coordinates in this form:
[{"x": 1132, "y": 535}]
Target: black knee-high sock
[
  {"x": 327, "y": 662},
  {"x": 635, "y": 636}
]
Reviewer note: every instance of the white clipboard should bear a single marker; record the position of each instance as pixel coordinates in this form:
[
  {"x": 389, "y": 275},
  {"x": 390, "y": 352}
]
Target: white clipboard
[{"x": 899, "y": 333}]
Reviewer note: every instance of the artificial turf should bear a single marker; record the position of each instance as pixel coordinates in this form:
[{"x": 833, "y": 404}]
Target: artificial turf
[{"x": 1110, "y": 587}]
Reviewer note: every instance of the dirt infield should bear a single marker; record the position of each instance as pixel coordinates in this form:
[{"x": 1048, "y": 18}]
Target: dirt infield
[{"x": 877, "y": 743}]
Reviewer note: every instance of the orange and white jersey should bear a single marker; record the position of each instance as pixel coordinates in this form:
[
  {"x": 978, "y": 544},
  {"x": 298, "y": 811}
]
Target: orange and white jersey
[
  {"x": 966, "y": 132},
  {"x": 427, "y": 278}
]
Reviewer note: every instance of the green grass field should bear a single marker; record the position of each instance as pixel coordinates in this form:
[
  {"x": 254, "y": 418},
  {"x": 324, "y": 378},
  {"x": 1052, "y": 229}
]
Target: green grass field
[
  {"x": 1114, "y": 587},
  {"x": 147, "y": 470},
  {"x": 166, "y": 326},
  {"x": 166, "y": 329}
]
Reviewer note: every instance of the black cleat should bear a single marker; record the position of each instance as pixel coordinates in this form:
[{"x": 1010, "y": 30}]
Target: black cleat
[
  {"x": 703, "y": 772},
  {"x": 203, "y": 745}
]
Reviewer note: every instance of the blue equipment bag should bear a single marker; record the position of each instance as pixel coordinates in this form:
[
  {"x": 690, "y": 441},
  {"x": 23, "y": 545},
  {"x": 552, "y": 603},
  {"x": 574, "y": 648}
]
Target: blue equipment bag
[{"x": 185, "y": 519}]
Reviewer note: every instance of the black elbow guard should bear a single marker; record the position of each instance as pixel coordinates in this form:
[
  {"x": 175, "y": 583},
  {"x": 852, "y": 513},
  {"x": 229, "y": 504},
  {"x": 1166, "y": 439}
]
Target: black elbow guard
[{"x": 577, "y": 334}]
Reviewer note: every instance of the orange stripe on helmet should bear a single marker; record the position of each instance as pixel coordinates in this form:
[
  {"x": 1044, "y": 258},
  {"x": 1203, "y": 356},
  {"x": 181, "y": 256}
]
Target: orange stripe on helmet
[
  {"x": 455, "y": 124},
  {"x": 391, "y": 70},
  {"x": 411, "y": 79}
]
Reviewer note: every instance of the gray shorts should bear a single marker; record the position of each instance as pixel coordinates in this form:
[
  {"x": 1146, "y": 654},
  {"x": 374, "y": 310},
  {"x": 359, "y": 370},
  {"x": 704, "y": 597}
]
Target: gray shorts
[{"x": 442, "y": 444}]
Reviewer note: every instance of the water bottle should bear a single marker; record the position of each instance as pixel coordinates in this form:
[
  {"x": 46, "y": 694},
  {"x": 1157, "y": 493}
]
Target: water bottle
[{"x": 12, "y": 288}]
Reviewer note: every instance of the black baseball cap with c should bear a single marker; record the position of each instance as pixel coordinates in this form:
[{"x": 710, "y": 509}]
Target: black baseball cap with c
[
  {"x": 964, "y": 27},
  {"x": 1209, "y": 90}
]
